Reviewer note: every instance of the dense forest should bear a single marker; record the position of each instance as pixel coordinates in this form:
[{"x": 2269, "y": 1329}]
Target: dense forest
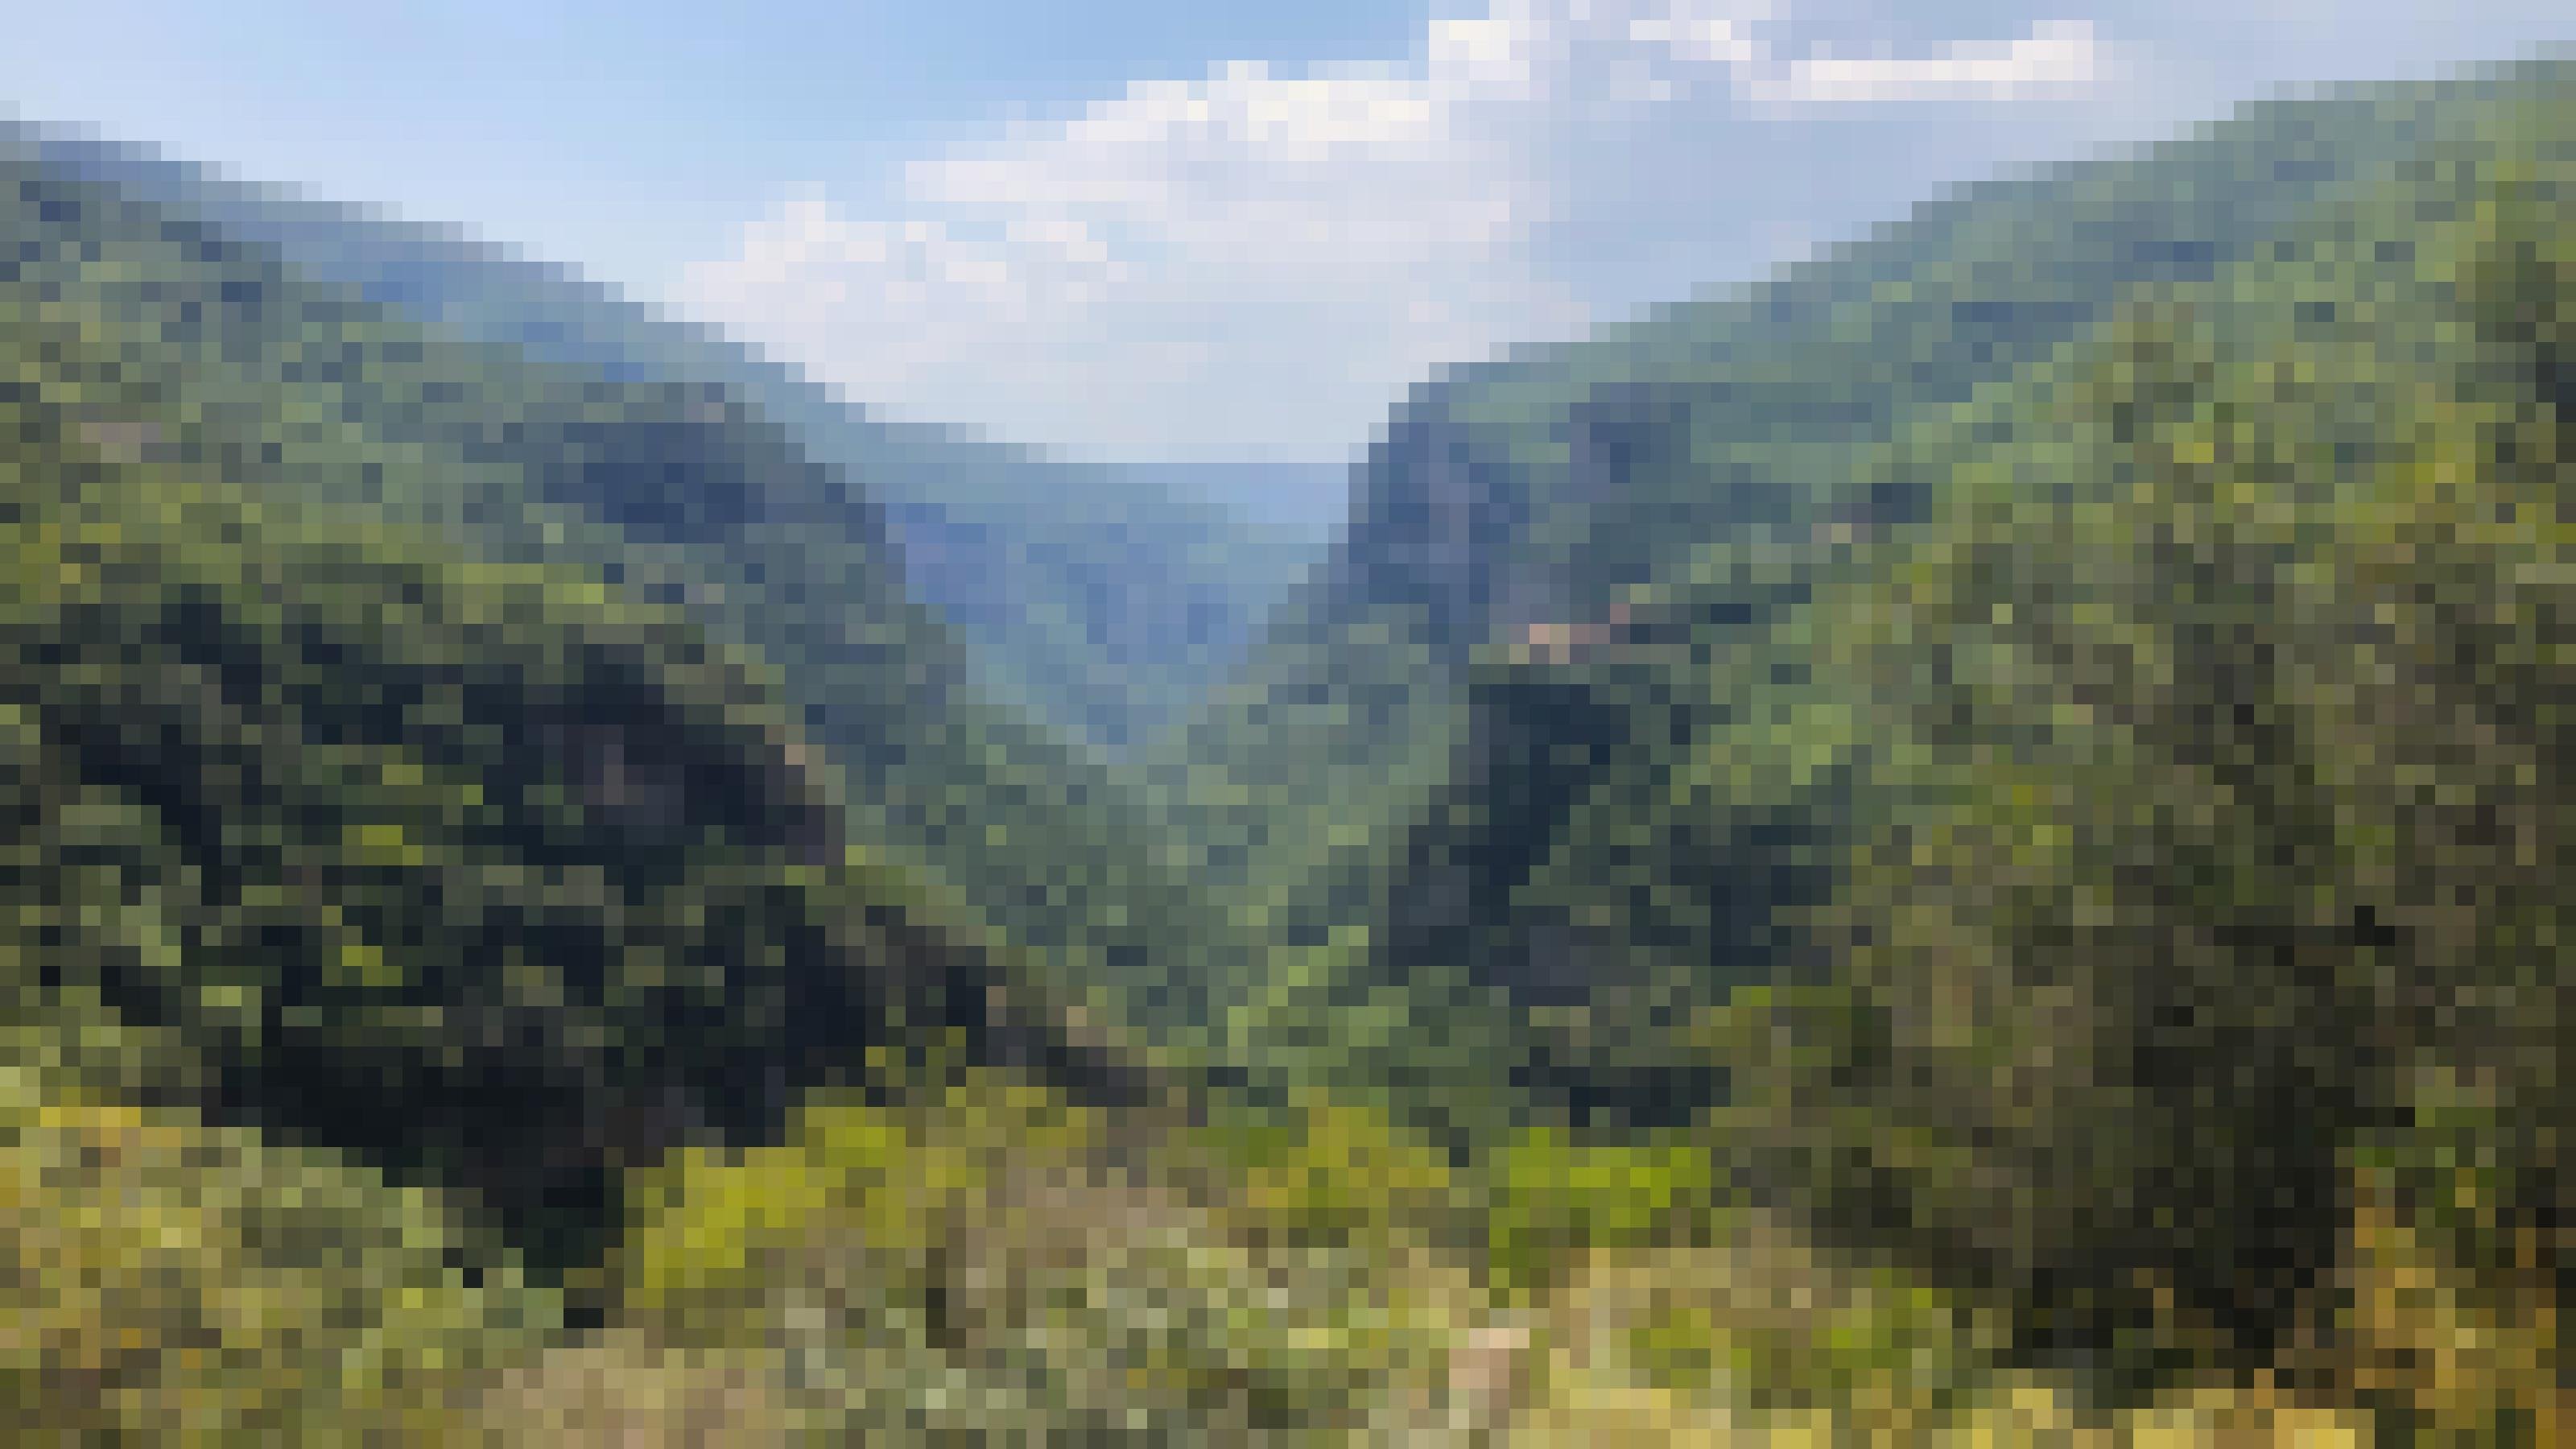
[
  {"x": 1029, "y": 559},
  {"x": 1956, "y": 846}
]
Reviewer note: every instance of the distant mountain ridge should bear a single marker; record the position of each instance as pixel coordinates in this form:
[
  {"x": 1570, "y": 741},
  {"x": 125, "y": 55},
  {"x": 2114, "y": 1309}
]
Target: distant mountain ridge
[{"x": 1104, "y": 598}]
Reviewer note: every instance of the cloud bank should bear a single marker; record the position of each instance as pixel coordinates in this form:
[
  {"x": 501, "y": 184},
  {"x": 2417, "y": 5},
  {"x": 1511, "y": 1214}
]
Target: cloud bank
[{"x": 1257, "y": 265}]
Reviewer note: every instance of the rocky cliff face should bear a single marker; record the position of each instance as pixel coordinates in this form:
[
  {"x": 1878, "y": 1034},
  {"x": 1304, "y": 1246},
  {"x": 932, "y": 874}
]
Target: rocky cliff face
[{"x": 1437, "y": 518}]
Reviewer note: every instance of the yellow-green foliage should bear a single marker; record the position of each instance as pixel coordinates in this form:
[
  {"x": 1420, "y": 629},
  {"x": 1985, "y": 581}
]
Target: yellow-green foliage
[
  {"x": 175, "y": 1283},
  {"x": 978, "y": 1262},
  {"x": 715, "y": 1226},
  {"x": 1548, "y": 1197},
  {"x": 1328, "y": 1172},
  {"x": 2451, "y": 1318}
]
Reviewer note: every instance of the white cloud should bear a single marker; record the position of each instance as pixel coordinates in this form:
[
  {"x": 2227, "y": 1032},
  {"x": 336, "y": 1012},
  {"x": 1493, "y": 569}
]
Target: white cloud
[
  {"x": 2056, "y": 56},
  {"x": 1705, "y": 39},
  {"x": 1252, "y": 263}
]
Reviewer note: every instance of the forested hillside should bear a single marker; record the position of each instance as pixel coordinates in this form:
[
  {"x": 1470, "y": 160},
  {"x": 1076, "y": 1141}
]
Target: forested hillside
[
  {"x": 1699, "y": 449},
  {"x": 464, "y": 861},
  {"x": 1104, "y": 599},
  {"x": 681, "y": 494},
  {"x": 1959, "y": 847},
  {"x": 2039, "y": 722},
  {"x": 1557, "y": 708}
]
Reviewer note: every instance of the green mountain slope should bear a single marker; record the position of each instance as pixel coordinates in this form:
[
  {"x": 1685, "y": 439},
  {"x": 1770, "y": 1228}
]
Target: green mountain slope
[
  {"x": 414, "y": 846},
  {"x": 2222, "y": 730},
  {"x": 1103, "y": 599},
  {"x": 169, "y": 1281},
  {"x": 1553, "y": 711},
  {"x": 2128, "y": 767},
  {"x": 680, "y": 494}
]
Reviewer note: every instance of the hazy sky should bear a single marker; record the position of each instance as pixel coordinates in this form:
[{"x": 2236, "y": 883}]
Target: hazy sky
[{"x": 1171, "y": 229}]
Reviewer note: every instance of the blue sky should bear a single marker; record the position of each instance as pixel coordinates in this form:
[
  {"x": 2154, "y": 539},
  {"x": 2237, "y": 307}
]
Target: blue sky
[{"x": 1159, "y": 229}]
